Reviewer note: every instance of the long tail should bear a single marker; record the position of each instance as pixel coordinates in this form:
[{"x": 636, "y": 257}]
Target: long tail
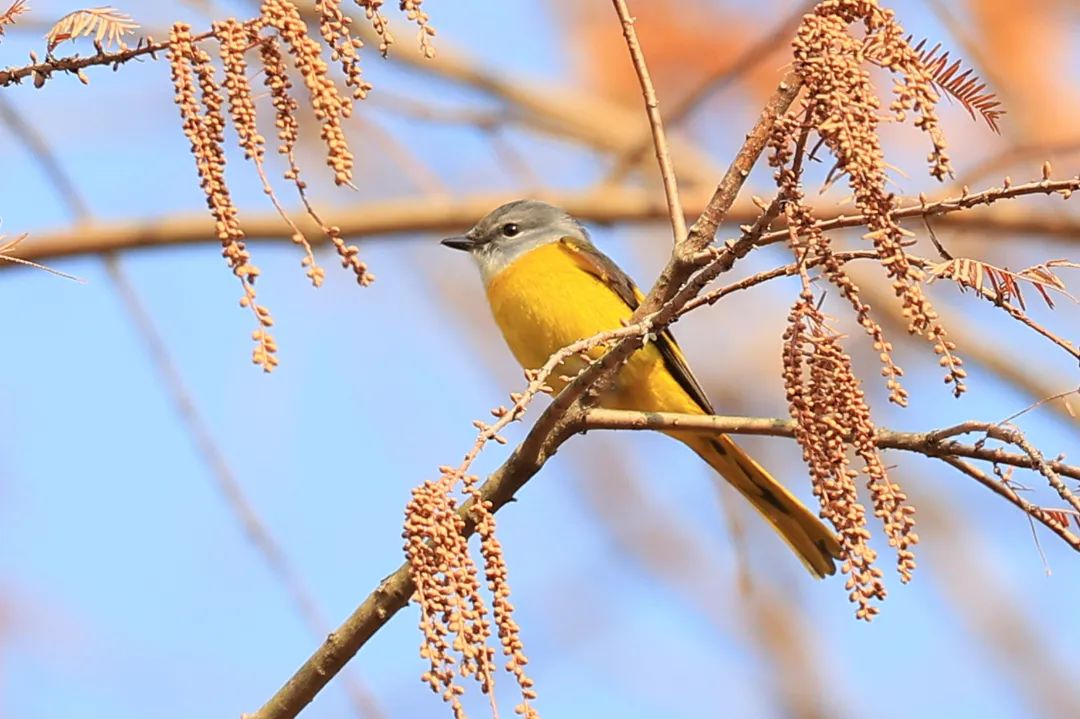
[{"x": 813, "y": 542}]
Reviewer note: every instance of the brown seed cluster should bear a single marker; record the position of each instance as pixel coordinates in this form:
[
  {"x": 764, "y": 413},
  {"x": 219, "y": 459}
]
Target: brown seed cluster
[
  {"x": 204, "y": 126},
  {"x": 326, "y": 101},
  {"x": 846, "y": 112},
  {"x": 344, "y": 46},
  {"x": 199, "y": 96},
  {"x": 412, "y": 10},
  {"x": 329, "y": 106},
  {"x": 234, "y": 39},
  {"x": 372, "y": 8},
  {"x": 496, "y": 574},
  {"x": 808, "y": 241},
  {"x": 454, "y": 617},
  {"x": 822, "y": 392}
]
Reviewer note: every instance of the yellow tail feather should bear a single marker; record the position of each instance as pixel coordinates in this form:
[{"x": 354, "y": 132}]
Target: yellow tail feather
[{"x": 813, "y": 542}]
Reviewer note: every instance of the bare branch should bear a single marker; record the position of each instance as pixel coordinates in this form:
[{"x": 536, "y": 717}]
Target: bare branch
[
  {"x": 704, "y": 230},
  {"x": 656, "y": 123},
  {"x": 713, "y": 83},
  {"x": 1004, "y": 490},
  {"x": 393, "y": 592},
  {"x": 930, "y": 443},
  {"x": 408, "y": 216},
  {"x": 42, "y": 71}
]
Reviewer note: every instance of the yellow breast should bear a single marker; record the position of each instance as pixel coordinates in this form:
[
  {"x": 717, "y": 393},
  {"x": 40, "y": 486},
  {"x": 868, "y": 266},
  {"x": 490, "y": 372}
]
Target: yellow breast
[{"x": 545, "y": 301}]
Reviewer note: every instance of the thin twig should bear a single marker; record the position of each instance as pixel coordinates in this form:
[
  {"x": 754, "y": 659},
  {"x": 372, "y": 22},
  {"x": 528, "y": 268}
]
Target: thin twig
[
  {"x": 656, "y": 123},
  {"x": 37, "y": 145},
  {"x": 1003, "y": 490},
  {"x": 42, "y": 71},
  {"x": 704, "y": 229},
  {"x": 712, "y": 83}
]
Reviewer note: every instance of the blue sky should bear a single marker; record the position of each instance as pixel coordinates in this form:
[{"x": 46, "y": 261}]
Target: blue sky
[{"x": 128, "y": 586}]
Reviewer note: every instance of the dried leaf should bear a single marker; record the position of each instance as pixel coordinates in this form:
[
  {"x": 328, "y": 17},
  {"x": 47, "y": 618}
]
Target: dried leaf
[
  {"x": 965, "y": 87},
  {"x": 8, "y": 16},
  {"x": 106, "y": 24},
  {"x": 1058, "y": 516},
  {"x": 1006, "y": 284}
]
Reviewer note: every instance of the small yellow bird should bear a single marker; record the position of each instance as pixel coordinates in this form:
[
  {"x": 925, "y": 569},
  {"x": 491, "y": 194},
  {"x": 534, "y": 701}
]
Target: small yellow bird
[{"x": 549, "y": 286}]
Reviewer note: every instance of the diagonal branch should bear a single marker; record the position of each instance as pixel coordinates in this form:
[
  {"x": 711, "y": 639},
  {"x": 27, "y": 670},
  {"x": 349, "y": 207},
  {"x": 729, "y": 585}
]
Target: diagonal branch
[
  {"x": 713, "y": 83},
  {"x": 393, "y": 593},
  {"x": 555, "y": 425}
]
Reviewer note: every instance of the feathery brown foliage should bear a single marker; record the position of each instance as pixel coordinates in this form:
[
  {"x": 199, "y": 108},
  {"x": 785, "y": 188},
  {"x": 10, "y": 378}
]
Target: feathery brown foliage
[
  {"x": 6, "y": 246},
  {"x": 964, "y": 87},
  {"x": 106, "y": 24},
  {"x": 9, "y": 16},
  {"x": 1005, "y": 285}
]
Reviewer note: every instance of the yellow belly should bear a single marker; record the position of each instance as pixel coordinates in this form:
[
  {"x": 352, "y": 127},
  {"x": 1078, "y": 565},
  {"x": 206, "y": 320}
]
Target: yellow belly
[{"x": 545, "y": 301}]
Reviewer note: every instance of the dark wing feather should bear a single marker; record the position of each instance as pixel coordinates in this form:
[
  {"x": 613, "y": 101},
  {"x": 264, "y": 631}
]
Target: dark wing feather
[{"x": 603, "y": 267}]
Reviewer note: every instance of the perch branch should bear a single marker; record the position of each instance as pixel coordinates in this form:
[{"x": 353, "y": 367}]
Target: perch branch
[{"x": 393, "y": 593}]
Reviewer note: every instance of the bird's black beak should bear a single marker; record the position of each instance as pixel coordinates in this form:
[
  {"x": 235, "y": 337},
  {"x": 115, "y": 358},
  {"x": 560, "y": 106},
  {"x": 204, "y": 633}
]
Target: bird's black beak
[{"x": 464, "y": 242}]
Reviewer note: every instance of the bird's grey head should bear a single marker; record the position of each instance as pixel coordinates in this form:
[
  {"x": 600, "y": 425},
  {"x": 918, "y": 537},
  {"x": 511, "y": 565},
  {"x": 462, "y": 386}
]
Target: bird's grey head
[{"x": 509, "y": 231}]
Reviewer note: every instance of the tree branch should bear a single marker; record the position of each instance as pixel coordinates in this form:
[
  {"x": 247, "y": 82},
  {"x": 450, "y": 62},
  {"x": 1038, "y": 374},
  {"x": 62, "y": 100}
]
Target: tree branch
[
  {"x": 711, "y": 84},
  {"x": 932, "y": 443},
  {"x": 554, "y": 426},
  {"x": 414, "y": 215},
  {"x": 656, "y": 122},
  {"x": 43, "y": 71},
  {"x": 935, "y": 443}
]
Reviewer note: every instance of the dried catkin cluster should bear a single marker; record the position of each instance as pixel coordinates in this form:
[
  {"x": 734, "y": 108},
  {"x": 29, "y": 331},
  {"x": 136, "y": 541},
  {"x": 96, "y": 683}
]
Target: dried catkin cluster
[
  {"x": 412, "y": 10},
  {"x": 454, "y": 617},
  {"x": 845, "y": 111},
  {"x": 809, "y": 242},
  {"x": 199, "y": 96},
  {"x": 344, "y": 47},
  {"x": 329, "y": 106},
  {"x": 497, "y": 576},
  {"x": 378, "y": 23},
  {"x": 821, "y": 392},
  {"x": 825, "y": 398},
  {"x": 235, "y": 39},
  {"x": 204, "y": 126}
]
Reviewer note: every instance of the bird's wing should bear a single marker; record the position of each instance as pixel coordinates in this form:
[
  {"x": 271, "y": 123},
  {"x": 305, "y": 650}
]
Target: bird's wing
[{"x": 604, "y": 268}]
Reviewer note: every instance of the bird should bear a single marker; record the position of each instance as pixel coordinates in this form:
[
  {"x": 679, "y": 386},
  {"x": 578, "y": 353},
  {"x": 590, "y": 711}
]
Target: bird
[{"x": 549, "y": 286}]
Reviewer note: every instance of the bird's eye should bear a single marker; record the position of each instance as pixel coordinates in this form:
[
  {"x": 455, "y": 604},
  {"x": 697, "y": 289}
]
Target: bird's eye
[{"x": 510, "y": 229}]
